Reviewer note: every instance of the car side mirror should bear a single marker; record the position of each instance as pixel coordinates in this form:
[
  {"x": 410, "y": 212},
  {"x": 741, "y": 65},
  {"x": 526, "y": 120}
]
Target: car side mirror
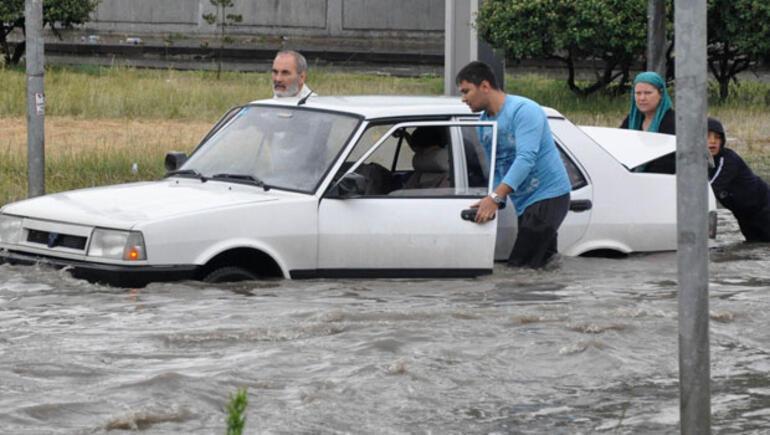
[
  {"x": 349, "y": 186},
  {"x": 174, "y": 160}
]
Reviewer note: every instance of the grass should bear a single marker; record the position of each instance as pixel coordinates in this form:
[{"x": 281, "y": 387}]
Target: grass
[
  {"x": 100, "y": 120},
  {"x": 92, "y": 152},
  {"x": 126, "y": 93},
  {"x": 236, "y": 409}
]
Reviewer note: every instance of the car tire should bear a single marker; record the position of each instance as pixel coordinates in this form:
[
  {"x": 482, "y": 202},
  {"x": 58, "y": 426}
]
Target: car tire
[{"x": 229, "y": 274}]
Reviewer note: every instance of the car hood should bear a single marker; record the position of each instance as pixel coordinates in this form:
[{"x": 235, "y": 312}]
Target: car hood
[
  {"x": 125, "y": 205},
  {"x": 632, "y": 147}
]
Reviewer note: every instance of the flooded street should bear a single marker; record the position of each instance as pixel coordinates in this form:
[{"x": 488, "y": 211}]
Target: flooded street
[{"x": 587, "y": 347}]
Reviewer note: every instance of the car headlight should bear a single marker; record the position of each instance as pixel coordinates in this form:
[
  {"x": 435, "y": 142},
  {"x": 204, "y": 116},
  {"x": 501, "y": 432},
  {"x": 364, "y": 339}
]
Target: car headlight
[
  {"x": 10, "y": 229},
  {"x": 118, "y": 245}
]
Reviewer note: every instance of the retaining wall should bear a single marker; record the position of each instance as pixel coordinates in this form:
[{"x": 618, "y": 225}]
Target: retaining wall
[{"x": 415, "y": 22}]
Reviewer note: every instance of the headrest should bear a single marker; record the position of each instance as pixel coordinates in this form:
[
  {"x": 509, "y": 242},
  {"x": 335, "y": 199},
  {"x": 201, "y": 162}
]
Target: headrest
[
  {"x": 433, "y": 159},
  {"x": 424, "y": 137}
]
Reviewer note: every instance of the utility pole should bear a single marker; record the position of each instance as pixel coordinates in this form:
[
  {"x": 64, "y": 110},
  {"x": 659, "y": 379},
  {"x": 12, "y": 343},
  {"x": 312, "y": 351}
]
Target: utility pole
[
  {"x": 692, "y": 210},
  {"x": 33, "y": 25},
  {"x": 462, "y": 44},
  {"x": 656, "y": 36}
]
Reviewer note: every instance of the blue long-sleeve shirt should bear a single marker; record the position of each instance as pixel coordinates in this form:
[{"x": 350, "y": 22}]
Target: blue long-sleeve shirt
[{"x": 526, "y": 157}]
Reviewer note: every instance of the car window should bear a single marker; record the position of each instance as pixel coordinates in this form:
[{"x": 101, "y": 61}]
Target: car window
[
  {"x": 368, "y": 139},
  {"x": 576, "y": 178},
  {"x": 477, "y": 161},
  {"x": 420, "y": 161},
  {"x": 288, "y": 148}
]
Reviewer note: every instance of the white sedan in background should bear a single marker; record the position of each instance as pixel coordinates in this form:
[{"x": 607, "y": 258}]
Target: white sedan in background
[{"x": 375, "y": 186}]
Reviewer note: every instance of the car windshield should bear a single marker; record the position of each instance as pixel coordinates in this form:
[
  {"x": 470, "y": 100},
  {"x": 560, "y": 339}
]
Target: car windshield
[{"x": 284, "y": 147}]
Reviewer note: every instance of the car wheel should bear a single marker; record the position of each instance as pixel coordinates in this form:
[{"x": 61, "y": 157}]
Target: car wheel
[{"x": 229, "y": 274}]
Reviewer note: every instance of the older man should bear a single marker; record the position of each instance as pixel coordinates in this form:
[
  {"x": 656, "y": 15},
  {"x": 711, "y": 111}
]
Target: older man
[{"x": 289, "y": 74}]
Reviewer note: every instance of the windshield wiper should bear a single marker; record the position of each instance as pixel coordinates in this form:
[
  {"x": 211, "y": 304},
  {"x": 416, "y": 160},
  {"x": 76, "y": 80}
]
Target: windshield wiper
[
  {"x": 187, "y": 172},
  {"x": 250, "y": 179}
]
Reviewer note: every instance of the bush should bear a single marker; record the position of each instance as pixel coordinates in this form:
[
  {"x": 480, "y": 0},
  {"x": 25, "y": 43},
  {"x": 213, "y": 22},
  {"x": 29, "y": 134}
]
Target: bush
[
  {"x": 609, "y": 33},
  {"x": 58, "y": 14}
]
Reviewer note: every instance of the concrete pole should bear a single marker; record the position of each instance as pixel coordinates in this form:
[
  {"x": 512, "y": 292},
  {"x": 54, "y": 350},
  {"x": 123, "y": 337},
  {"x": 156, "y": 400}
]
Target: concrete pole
[
  {"x": 656, "y": 36},
  {"x": 33, "y": 25},
  {"x": 462, "y": 44},
  {"x": 692, "y": 211}
]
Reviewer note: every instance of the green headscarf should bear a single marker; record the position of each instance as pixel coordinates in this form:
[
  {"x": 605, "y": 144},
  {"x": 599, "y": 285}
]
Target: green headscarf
[{"x": 635, "y": 117}]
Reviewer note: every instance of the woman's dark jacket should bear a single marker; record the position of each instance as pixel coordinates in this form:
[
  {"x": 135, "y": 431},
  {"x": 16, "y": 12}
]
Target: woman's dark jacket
[{"x": 667, "y": 124}]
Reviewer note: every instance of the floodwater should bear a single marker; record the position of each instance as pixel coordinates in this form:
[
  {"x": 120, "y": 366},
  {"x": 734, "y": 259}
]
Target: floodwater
[{"x": 587, "y": 347}]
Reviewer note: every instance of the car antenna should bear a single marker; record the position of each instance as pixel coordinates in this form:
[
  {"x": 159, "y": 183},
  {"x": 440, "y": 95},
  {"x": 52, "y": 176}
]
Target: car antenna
[{"x": 302, "y": 101}]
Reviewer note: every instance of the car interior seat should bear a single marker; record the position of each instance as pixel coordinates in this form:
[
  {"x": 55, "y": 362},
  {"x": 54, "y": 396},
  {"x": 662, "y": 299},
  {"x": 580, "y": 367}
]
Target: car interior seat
[
  {"x": 378, "y": 179},
  {"x": 431, "y": 160}
]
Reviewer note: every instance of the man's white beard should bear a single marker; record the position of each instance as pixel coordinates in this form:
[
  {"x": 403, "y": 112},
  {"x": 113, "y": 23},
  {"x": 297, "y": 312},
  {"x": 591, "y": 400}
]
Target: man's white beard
[{"x": 291, "y": 91}]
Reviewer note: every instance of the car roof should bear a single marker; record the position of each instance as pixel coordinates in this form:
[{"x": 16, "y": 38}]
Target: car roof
[
  {"x": 632, "y": 147},
  {"x": 387, "y": 106}
]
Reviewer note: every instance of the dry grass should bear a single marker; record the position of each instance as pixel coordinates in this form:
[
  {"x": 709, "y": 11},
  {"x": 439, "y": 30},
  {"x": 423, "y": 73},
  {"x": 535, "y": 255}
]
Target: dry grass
[
  {"x": 92, "y": 152},
  {"x": 67, "y": 135}
]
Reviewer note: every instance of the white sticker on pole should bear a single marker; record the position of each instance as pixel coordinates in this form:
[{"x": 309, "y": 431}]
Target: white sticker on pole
[{"x": 40, "y": 103}]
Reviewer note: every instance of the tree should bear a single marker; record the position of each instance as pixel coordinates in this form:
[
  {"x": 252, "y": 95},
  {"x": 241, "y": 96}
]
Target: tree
[
  {"x": 609, "y": 34},
  {"x": 57, "y": 14},
  {"x": 222, "y": 20},
  {"x": 738, "y": 38}
]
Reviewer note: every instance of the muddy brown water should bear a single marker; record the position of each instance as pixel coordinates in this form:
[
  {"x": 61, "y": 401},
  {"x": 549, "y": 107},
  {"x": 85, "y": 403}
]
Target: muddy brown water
[{"x": 589, "y": 346}]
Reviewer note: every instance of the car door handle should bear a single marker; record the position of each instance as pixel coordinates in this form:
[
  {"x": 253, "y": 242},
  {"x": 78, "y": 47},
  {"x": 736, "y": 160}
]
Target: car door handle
[
  {"x": 579, "y": 205},
  {"x": 469, "y": 214}
]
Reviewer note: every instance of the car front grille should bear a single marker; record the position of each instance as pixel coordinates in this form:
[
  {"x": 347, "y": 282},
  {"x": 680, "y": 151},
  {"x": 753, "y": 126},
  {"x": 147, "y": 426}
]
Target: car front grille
[{"x": 52, "y": 239}]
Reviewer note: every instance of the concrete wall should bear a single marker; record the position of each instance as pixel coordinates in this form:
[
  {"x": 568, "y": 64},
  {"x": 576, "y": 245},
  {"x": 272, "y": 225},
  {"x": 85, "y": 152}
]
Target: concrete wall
[{"x": 307, "y": 18}]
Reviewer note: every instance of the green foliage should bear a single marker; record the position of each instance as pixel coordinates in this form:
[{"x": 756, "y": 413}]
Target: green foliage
[
  {"x": 738, "y": 37},
  {"x": 611, "y": 34},
  {"x": 57, "y": 14},
  {"x": 236, "y": 419}
]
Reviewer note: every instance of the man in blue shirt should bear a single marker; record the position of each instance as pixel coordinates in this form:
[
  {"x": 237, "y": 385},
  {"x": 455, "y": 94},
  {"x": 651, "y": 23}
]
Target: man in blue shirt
[{"x": 528, "y": 167}]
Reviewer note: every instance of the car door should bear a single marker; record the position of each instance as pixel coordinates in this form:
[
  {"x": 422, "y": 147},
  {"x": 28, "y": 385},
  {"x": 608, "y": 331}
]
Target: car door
[
  {"x": 405, "y": 218},
  {"x": 581, "y": 197}
]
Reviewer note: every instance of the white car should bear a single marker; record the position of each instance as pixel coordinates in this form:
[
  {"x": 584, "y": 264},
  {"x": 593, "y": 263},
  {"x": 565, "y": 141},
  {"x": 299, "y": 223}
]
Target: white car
[{"x": 373, "y": 186}]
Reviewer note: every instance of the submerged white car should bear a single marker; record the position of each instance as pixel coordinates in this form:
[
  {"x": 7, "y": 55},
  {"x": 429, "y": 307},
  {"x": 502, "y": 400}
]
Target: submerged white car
[{"x": 340, "y": 187}]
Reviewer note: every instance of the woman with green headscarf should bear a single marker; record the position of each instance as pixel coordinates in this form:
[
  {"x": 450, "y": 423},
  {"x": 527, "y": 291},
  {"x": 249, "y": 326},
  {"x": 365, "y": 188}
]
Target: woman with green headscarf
[{"x": 650, "y": 105}]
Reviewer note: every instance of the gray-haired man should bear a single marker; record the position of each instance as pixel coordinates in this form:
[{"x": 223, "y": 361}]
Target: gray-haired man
[{"x": 289, "y": 74}]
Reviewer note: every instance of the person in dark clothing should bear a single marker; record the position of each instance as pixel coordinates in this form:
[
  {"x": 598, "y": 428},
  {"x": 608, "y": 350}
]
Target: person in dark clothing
[{"x": 737, "y": 188}]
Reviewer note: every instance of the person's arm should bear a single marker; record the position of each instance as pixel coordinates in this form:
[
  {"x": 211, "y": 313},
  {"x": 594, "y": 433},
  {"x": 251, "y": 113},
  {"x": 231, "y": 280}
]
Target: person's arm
[
  {"x": 727, "y": 167},
  {"x": 528, "y": 123}
]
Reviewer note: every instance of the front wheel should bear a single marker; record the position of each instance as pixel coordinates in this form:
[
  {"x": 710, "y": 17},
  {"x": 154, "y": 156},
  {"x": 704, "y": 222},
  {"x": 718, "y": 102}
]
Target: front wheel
[{"x": 229, "y": 274}]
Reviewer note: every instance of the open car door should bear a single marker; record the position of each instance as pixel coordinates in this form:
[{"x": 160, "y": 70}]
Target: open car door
[{"x": 396, "y": 208}]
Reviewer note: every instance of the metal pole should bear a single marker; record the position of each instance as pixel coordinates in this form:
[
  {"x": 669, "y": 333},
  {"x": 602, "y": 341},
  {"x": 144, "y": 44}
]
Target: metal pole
[
  {"x": 462, "y": 44},
  {"x": 449, "y": 47},
  {"x": 692, "y": 210},
  {"x": 33, "y": 15},
  {"x": 656, "y": 36}
]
